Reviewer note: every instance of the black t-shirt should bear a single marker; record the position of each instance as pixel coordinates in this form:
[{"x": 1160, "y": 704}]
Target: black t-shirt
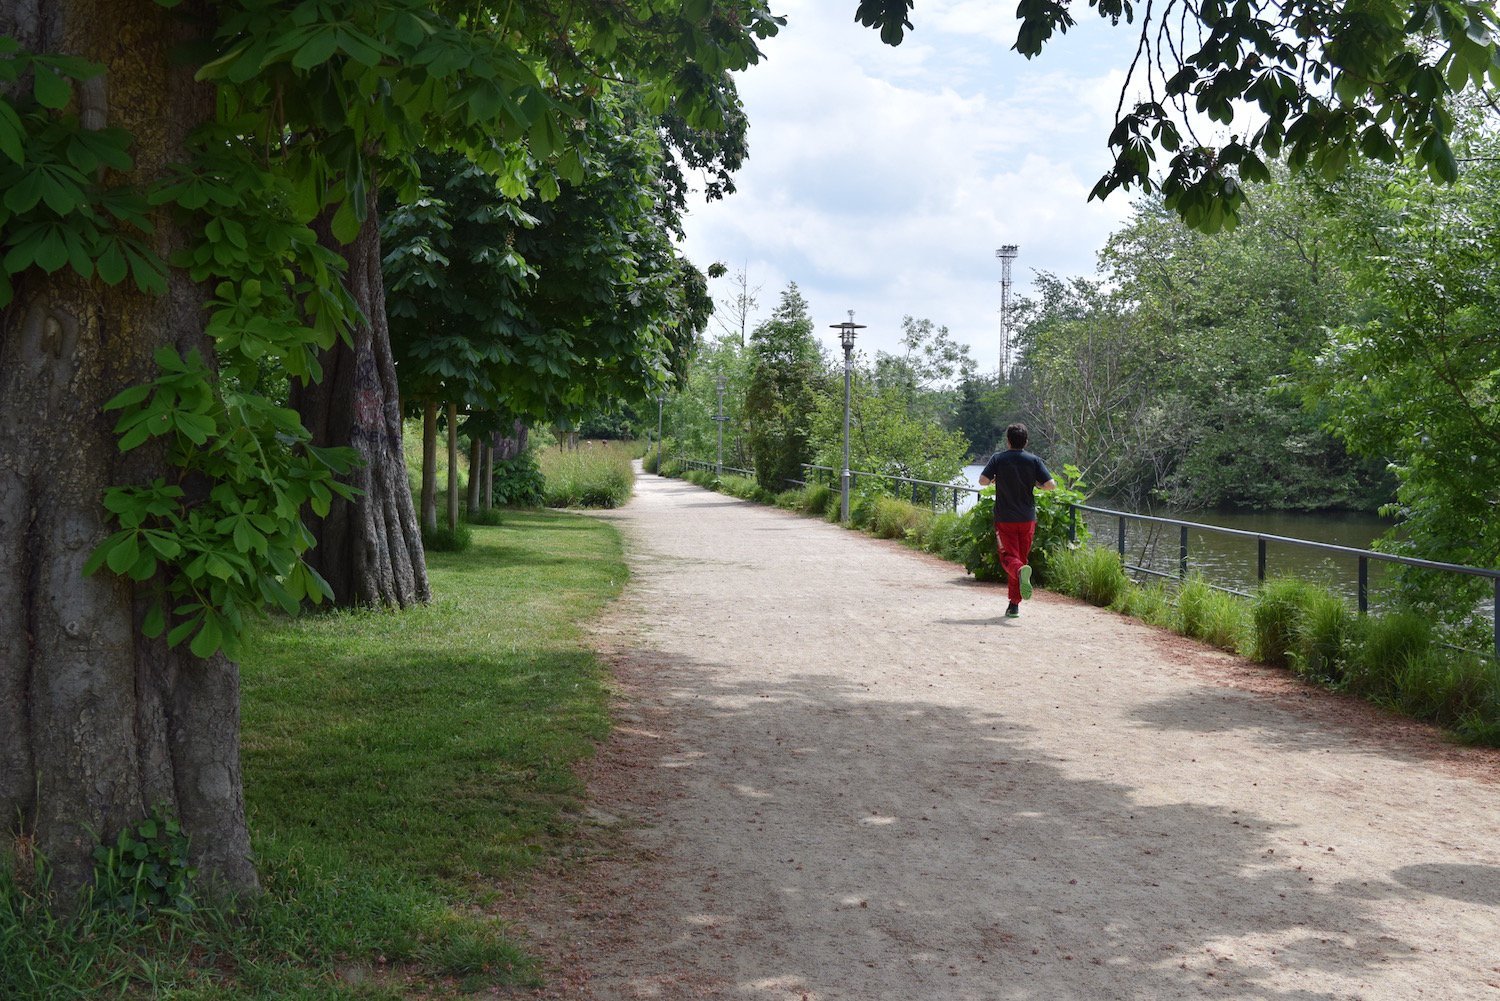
[{"x": 1015, "y": 471}]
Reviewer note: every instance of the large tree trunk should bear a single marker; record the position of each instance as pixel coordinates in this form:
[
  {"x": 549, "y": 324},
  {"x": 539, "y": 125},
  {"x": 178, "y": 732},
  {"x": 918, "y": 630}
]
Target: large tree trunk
[
  {"x": 368, "y": 549},
  {"x": 98, "y": 724}
]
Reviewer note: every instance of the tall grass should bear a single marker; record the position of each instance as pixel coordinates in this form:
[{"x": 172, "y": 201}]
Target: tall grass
[
  {"x": 1212, "y": 616},
  {"x": 596, "y": 475},
  {"x": 1091, "y": 573},
  {"x": 398, "y": 769}
]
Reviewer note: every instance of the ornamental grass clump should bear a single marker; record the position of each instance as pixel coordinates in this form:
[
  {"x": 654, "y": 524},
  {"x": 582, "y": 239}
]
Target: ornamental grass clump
[
  {"x": 595, "y": 476},
  {"x": 1274, "y": 613},
  {"x": 1324, "y": 628},
  {"x": 1213, "y": 616},
  {"x": 891, "y": 518}
]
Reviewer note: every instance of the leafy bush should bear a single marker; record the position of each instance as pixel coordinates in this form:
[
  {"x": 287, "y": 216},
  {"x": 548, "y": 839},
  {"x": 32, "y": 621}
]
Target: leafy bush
[
  {"x": 745, "y": 488},
  {"x": 1053, "y": 518},
  {"x": 518, "y": 481},
  {"x": 146, "y": 870}
]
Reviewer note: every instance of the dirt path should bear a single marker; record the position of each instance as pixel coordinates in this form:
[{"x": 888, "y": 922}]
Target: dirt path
[{"x": 841, "y": 774}]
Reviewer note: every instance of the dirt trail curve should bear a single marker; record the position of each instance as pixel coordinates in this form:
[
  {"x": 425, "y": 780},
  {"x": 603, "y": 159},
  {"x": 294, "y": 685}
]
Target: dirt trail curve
[{"x": 840, "y": 773}]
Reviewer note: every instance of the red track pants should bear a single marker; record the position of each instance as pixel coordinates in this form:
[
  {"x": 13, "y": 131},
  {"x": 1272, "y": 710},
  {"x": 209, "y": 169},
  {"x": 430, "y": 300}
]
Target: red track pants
[{"x": 1014, "y": 539}]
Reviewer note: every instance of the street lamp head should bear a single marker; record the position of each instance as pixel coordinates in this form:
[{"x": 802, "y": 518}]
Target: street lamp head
[{"x": 846, "y": 332}]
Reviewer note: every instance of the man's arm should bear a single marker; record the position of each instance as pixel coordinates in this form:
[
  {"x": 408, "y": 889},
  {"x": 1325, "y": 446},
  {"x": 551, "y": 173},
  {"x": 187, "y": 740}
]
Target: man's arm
[
  {"x": 984, "y": 480},
  {"x": 1049, "y": 485}
]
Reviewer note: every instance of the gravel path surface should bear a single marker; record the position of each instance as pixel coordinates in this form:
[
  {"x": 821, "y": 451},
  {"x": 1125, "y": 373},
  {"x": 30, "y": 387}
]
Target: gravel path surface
[{"x": 840, "y": 773}]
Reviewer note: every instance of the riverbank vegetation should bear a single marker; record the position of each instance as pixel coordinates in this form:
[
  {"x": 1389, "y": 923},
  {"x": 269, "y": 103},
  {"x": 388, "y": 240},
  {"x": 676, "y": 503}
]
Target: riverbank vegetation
[
  {"x": 1397, "y": 660},
  {"x": 399, "y": 772}
]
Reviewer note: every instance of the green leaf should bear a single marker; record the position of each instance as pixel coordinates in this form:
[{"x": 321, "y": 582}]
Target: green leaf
[
  {"x": 346, "y": 222},
  {"x": 51, "y": 90},
  {"x": 209, "y": 639},
  {"x": 12, "y": 134},
  {"x": 123, "y": 552},
  {"x": 317, "y": 49},
  {"x": 155, "y": 622},
  {"x": 128, "y": 398}
]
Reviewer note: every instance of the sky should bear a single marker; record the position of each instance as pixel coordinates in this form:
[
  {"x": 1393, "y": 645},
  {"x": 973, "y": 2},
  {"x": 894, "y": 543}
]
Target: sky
[{"x": 883, "y": 179}]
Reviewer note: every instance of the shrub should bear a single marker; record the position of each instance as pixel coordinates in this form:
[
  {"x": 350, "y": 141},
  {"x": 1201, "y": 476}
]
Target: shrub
[
  {"x": 1053, "y": 520},
  {"x": 651, "y": 461},
  {"x": 518, "y": 481}
]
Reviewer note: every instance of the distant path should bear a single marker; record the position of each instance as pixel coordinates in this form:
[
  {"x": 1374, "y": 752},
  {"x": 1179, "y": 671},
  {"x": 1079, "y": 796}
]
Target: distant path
[{"x": 841, "y": 774}]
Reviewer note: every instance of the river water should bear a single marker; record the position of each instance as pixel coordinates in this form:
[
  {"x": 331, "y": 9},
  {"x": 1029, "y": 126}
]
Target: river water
[{"x": 1228, "y": 561}]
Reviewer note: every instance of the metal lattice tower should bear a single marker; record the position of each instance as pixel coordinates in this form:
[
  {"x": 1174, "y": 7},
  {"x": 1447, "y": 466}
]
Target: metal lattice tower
[{"x": 1006, "y": 253}]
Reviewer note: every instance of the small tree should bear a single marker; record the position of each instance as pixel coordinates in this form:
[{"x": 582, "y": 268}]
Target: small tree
[{"x": 786, "y": 367}]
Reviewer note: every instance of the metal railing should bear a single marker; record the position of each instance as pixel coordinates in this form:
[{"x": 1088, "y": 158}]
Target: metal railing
[
  {"x": 714, "y": 467},
  {"x": 1362, "y": 556},
  {"x": 931, "y": 488}
]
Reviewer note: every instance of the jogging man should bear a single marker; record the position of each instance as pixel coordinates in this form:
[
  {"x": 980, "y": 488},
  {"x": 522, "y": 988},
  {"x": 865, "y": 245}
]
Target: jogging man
[{"x": 1014, "y": 472}]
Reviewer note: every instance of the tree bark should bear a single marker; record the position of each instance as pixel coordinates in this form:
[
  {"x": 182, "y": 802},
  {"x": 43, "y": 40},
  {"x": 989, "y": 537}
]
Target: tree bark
[
  {"x": 429, "y": 465},
  {"x": 98, "y": 725},
  {"x": 369, "y": 549},
  {"x": 452, "y": 466},
  {"x": 489, "y": 473},
  {"x": 476, "y": 471}
]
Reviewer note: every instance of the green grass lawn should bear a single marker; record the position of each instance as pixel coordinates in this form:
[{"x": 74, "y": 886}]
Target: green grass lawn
[{"x": 399, "y": 768}]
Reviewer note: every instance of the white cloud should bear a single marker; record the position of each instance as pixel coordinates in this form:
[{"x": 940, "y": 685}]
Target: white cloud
[{"x": 883, "y": 179}]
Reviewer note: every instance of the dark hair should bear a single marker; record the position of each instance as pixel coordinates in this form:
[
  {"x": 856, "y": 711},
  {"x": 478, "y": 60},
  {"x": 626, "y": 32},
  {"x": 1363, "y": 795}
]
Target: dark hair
[{"x": 1016, "y": 435}]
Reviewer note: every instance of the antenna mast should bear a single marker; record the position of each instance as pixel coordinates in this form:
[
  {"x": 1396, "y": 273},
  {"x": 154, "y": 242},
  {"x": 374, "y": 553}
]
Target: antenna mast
[{"x": 1006, "y": 253}]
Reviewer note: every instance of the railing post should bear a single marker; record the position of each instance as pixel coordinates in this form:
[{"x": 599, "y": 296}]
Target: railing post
[
  {"x": 1122, "y": 538},
  {"x": 1496, "y": 610},
  {"x": 1182, "y": 554},
  {"x": 1364, "y": 585},
  {"x": 1072, "y": 523},
  {"x": 1260, "y": 560}
]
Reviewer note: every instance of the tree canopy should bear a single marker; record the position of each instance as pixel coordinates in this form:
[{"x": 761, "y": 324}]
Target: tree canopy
[{"x": 1320, "y": 84}]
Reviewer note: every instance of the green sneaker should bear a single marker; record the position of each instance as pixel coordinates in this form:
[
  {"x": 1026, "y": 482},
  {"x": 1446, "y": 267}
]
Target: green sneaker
[{"x": 1026, "y": 582}]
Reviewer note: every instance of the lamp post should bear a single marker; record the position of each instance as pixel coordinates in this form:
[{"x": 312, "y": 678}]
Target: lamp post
[
  {"x": 720, "y": 418},
  {"x": 846, "y": 338},
  {"x": 661, "y": 399}
]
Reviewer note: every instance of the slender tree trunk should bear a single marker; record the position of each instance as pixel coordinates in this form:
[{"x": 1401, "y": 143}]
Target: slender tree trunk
[
  {"x": 489, "y": 473},
  {"x": 452, "y": 466},
  {"x": 98, "y": 724},
  {"x": 369, "y": 549},
  {"x": 476, "y": 471},
  {"x": 429, "y": 464}
]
